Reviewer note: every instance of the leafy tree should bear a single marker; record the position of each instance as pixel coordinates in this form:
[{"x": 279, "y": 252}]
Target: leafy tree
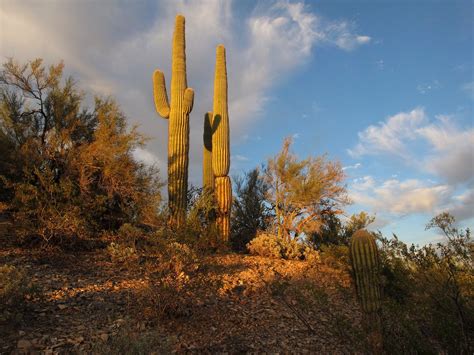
[
  {"x": 301, "y": 192},
  {"x": 68, "y": 171},
  {"x": 250, "y": 212}
]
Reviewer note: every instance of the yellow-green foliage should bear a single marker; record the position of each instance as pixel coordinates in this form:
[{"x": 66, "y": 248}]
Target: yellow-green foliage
[
  {"x": 182, "y": 99},
  {"x": 207, "y": 173},
  {"x": 220, "y": 145},
  {"x": 366, "y": 265},
  {"x": 272, "y": 246}
]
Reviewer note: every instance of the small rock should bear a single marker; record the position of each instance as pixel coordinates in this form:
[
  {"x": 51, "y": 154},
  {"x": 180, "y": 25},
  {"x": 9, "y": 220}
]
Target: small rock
[
  {"x": 21, "y": 333},
  {"x": 104, "y": 336},
  {"x": 62, "y": 306}
]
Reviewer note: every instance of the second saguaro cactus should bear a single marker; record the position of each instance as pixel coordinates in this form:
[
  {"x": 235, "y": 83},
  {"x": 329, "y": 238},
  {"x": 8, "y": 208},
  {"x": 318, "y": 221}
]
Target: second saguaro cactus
[
  {"x": 221, "y": 145},
  {"x": 365, "y": 265},
  {"x": 366, "y": 268},
  {"x": 182, "y": 99}
]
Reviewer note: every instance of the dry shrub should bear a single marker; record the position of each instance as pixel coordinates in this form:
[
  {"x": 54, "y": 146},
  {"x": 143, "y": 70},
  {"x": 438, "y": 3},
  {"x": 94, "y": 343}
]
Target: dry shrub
[
  {"x": 134, "y": 342},
  {"x": 15, "y": 289},
  {"x": 272, "y": 246},
  {"x": 167, "y": 292}
]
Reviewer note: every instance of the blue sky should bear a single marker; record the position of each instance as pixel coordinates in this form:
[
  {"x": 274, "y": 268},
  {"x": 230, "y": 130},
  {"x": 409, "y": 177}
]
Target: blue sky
[{"x": 386, "y": 87}]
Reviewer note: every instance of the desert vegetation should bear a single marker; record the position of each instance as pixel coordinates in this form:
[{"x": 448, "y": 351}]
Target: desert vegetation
[{"x": 94, "y": 260}]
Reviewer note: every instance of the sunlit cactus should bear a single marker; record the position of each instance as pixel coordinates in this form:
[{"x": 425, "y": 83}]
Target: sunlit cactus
[
  {"x": 365, "y": 265},
  {"x": 220, "y": 145},
  {"x": 182, "y": 99},
  {"x": 207, "y": 173}
]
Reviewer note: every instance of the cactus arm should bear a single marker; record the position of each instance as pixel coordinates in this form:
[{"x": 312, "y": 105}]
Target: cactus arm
[
  {"x": 160, "y": 95},
  {"x": 188, "y": 100},
  {"x": 207, "y": 173}
]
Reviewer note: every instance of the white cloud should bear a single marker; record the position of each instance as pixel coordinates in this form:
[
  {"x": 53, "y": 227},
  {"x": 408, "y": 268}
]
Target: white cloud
[
  {"x": 389, "y": 136},
  {"x": 355, "y": 166},
  {"x": 452, "y": 150},
  {"x": 398, "y": 198},
  {"x": 146, "y": 157},
  {"x": 113, "y": 50},
  {"x": 439, "y": 146},
  {"x": 239, "y": 158}
]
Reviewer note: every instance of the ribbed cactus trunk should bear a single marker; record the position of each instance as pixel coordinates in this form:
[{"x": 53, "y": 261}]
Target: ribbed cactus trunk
[
  {"x": 366, "y": 269},
  {"x": 207, "y": 173},
  {"x": 221, "y": 145},
  {"x": 182, "y": 99}
]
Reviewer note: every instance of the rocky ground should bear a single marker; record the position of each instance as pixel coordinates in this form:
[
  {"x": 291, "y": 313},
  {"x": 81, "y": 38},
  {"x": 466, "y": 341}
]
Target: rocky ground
[{"x": 85, "y": 303}]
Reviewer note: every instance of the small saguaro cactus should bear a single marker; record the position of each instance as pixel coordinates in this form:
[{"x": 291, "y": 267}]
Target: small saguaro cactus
[
  {"x": 177, "y": 112},
  {"x": 220, "y": 145},
  {"x": 366, "y": 265},
  {"x": 207, "y": 173}
]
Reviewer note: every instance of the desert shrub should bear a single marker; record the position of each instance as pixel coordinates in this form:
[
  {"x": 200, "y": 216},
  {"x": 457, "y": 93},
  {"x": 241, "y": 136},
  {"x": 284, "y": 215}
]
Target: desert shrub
[
  {"x": 429, "y": 292},
  {"x": 121, "y": 253},
  {"x": 250, "y": 213},
  {"x": 335, "y": 256},
  {"x": 67, "y": 171},
  {"x": 134, "y": 342},
  {"x": 15, "y": 289},
  {"x": 272, "y": 246},
  {"x": 265, "y": 245},
  {"x": 169, "y": 273}
]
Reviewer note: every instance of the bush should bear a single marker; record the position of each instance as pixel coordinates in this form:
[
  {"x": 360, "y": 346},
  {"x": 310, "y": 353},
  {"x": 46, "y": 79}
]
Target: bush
[
  {"x": 429, "y": 292},
  {"x": 166, "y": 293},
  {"x": 271, "y": 246},
  {"x": 121, "y": 253},
  {"x": 67, "y": 171},
  {"x": 15, "y": 289},
  {"x": 335, "y": 256}
]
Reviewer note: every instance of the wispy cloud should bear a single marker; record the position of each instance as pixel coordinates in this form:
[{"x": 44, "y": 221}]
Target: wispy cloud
[
  {"x": 355, "y": 166},
  {"x": 396, "y": 198},
  {"x": 430, "y": 146},
  {"x": 113, "y": 50},
  {"x": 389, "y": 136},
  {"x": 468, "y": 88},
  {"x": 427, "y": 87}
]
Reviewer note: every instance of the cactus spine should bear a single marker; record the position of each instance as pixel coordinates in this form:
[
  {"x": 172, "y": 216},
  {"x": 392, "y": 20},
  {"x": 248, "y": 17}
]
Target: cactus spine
[
  {"x": 365, "y": 264},
  {"x": 207, "y": 173},
  {"x": 182, "y": 99},
  {"x": 220, "y": 145}
]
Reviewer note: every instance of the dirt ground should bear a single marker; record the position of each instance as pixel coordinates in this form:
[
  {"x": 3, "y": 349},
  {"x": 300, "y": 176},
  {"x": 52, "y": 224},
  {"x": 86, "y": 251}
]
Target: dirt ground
[{"x": 230, "y": 303}]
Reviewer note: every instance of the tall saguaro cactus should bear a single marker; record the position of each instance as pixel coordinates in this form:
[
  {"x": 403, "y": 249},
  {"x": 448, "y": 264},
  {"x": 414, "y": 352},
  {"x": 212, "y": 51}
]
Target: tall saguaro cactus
[
  {"x": 221, "y": 145},
  {"x": 182, "y": 99},
  {"x": 366, "y": 267},
  {"x": 207, "y": 173}
]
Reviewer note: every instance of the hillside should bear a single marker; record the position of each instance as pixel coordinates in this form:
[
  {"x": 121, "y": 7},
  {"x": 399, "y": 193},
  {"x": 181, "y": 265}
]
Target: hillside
[{"x": 231, "y": 303}]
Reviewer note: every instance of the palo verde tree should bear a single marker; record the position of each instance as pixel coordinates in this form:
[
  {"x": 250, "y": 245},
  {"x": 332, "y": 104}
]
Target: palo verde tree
[
  {"x": 301, "y": 192},
  {"x": 68, "y": 171}
]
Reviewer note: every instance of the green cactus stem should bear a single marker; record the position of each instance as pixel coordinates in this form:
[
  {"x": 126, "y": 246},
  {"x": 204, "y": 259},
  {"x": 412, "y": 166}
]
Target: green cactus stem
[
  {"x": 366, "y": 269},
  {"x": 177, "y": 112},
  {"x": 221, "y": 146}
]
